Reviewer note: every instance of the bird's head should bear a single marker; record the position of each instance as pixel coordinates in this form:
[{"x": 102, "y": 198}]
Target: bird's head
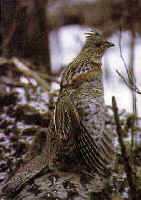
[{"x": 96, "y": 42}]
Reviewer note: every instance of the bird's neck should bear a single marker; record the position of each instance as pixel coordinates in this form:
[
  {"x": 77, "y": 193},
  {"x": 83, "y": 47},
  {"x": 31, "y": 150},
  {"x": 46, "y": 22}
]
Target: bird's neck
[
  {"x": 89, "y": 51},
  {"x": 85, "y": 67}
]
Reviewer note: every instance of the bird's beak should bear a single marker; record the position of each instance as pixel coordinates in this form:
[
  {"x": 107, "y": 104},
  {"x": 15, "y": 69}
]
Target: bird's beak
[{"x": 110, "y": 44}]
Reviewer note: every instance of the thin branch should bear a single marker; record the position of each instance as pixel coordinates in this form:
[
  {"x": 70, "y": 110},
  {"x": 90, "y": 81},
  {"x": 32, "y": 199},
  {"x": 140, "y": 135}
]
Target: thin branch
[
  {"x": 130, "y": 82},
  {"x": 120, "y": 49},
  {"x": 127, "y": 82},
  {"x": 127, "y": 166}
]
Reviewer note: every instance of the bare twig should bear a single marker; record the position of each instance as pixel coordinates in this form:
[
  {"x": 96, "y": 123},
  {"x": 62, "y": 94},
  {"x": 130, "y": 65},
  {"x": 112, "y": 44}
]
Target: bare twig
[
  {"x": 127, "y": 166},
  {"x": 130, "y": 81},
  {"x": 127, "y": 82},
  {"x": 120, "y": 49}
]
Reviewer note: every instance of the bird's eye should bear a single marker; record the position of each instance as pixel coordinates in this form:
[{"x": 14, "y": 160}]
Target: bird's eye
[{"x": 98, "y": 44}]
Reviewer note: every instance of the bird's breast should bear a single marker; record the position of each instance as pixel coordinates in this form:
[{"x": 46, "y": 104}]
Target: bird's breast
[{"x": 90, "y": 105}]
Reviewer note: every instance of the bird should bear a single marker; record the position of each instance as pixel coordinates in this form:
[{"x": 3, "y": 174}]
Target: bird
[
  {"x": 79, "y": 117},
  {"x": 77, "y": 130}
]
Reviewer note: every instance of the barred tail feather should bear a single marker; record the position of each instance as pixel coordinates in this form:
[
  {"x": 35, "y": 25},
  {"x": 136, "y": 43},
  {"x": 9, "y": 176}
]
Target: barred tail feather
[
  {"x": 106, "y": 148},
  {"x": 91, "y": 153}
]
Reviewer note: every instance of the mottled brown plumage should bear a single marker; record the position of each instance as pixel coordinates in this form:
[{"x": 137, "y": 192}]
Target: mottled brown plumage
[
  {"x": 77, "y": 131},
  {"x": 79, "y": 113}
]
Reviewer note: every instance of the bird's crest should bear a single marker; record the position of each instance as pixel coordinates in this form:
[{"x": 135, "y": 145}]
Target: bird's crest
[
  {"x": 98, "y": 40},
  {"x": 95, "y": 36}
]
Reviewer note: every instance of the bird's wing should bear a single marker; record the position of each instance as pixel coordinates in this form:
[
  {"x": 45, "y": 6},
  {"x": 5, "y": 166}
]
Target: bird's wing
[
  {"x": 91, "y": 153},
  {"x": 69, "y": 126},
  {"x": 66, "y": 118}
]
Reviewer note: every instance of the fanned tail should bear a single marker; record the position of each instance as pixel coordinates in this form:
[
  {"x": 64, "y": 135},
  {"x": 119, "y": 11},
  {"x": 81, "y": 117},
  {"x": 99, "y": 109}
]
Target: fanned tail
[{"x": 96, "y": 156}]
